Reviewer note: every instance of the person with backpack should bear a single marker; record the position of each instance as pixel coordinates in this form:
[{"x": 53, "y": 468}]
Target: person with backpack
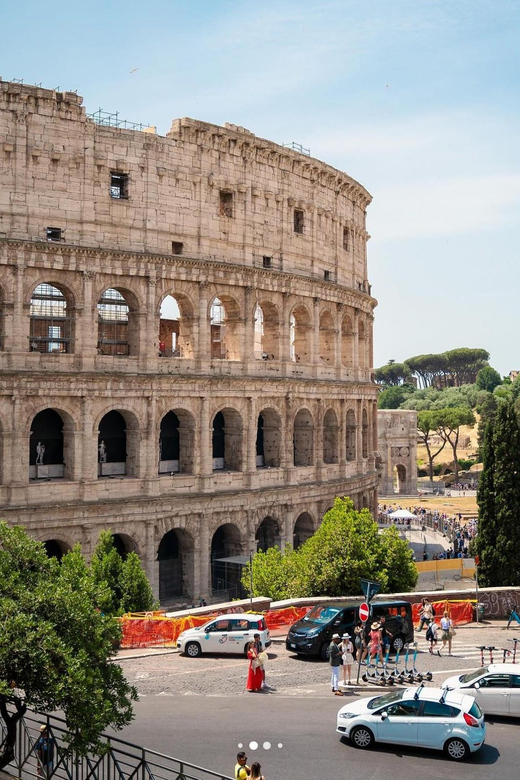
[
  {"x": 431, "y": 636},
  {"x": 426, "y": 614}
]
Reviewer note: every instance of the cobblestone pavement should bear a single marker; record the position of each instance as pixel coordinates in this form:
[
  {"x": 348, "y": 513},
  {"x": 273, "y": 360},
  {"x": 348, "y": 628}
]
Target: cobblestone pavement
[{"x": 166, "y": 672}]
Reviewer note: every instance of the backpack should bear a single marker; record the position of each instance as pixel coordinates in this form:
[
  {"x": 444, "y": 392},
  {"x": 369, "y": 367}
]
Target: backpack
[
  {"x": 429, "y": 634},
  {"x": 433, "y": 610}
]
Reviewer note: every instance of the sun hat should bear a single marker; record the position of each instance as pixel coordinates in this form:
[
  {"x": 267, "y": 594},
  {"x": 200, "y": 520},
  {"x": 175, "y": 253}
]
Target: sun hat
[
  {"x": 346, "y": 636},
  {"x": 375, "y": 626},
  {"x": 336, "y": 636},
  {"x": 43, "y": 727}
]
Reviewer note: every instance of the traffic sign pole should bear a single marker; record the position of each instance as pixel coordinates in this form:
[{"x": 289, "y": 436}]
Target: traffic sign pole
[{"x": 369, "y": 588}]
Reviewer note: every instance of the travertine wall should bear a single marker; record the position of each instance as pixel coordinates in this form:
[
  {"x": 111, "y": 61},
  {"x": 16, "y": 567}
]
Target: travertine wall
[
  {"x": 312, "y": 369},
  {"x": 397, "y": 444}
]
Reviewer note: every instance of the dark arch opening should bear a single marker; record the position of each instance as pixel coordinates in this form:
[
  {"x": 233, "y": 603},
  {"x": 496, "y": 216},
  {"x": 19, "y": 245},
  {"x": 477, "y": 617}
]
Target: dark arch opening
[
  {"x": 170, "y": 566},
  {"x": 55, "y": 549},
  {"x": 225, "y": 575},
  {"x": 46, "y": 445},
  {"x": 267, "y": 534},
  {"x": 260, "y": 459},
  {"x": 219, "y": 441},
  {"x": 169, "y": 440},
  {"x": 112, "y": 444}
]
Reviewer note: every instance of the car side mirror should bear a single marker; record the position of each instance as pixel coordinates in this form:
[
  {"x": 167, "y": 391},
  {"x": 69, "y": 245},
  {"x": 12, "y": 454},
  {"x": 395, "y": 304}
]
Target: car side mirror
[
  {"x": 384, "y": 715},
  {"x": 477, "y": 685}
]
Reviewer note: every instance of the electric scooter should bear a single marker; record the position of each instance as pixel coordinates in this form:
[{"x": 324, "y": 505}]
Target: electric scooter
[
  {"x": 417, "y": 676},
  {"x": 505, "y": 654},
  {"x": 408, "y": 674},
  {"x": 513, "y": 615},
  {"x": 374, "y": 677},
  {"x": 387, "y": 675},
  {"x": 396, "y": 672},
  {"x": 482, "y": 648},
  {"x": 515, "y": 643},
  {"x": 491, "y": 653}
]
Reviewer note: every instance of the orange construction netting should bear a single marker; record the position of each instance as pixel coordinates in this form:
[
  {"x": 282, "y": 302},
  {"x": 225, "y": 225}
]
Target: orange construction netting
[{"x": 153, "y": 629}]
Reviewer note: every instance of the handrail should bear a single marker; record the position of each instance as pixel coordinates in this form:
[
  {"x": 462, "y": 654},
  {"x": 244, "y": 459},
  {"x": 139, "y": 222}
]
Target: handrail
[{"x": 121, "y": 760}]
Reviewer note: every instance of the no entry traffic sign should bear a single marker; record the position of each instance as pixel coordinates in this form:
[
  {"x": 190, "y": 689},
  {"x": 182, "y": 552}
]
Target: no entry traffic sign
[{"x": 364, "y": 611}]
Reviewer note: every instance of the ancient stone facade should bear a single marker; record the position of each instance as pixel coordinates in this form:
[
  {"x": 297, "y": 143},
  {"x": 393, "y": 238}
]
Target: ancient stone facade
[
  {"x": 397, "y": 442},
  {"x": 186, "y": 339}
]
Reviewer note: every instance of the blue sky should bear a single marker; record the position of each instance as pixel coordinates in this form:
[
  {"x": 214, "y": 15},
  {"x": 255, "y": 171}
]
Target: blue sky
[{"x": 417, "y": 99}]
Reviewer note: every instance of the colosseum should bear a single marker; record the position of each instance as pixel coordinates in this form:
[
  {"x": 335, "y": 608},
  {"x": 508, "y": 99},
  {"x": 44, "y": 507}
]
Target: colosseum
[{"x": 186, "y": 340}]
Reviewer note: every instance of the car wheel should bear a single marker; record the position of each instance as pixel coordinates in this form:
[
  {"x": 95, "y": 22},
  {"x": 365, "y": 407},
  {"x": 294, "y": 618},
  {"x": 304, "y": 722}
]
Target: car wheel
[
  {"x": 193, "y": 649},
  {"x": 362, "y": 737},
  {"x": 456, "y": 749},
  {"x": 398, "y": 644},
  {"x": 323, "y": 651}
]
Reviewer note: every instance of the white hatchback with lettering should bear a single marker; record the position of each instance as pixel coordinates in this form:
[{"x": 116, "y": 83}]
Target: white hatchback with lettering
[{"x": 224, "y": 634}]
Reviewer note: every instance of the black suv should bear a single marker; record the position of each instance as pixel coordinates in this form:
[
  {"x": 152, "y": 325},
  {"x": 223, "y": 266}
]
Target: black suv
[{"x": 313, "y": 633}]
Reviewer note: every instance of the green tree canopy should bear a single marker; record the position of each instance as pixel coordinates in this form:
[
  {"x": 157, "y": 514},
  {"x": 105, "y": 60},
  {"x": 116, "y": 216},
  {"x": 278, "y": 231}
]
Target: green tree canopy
[
  {"x": 122, "y": 583},
  {"x": 55, "y": 644},
  {"x": 393, "y": 374},
  {"x": 346, "y": 547},
  {"x": 488, "y": 379},
  {"x": 393, "y": 397},
  {"x": 498, "y": 539},
  {"x": 448, "y": 422},
  {"x": 426, "y": 426}
]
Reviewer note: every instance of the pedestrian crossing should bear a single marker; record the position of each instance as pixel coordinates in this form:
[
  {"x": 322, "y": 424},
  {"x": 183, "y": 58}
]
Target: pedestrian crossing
[{"x": 469, "y": 652}]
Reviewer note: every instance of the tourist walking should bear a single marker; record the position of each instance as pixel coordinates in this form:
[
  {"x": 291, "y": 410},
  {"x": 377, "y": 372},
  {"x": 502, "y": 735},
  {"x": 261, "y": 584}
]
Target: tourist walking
[
  {"x": 334, "y": 653},
  {"x": 374, "y": 643},
  {"x": 261, "y": 656},
  {"x": 360, "y": 642},
  {"x": 447, "y": 631},
  {"x": 347, "y": 656},
  {"x": 254, "y": 674},
  {"x": 431, "y": 635},
  {"x": 45, "y": 751},
  {"x": 426, "y": 614}
]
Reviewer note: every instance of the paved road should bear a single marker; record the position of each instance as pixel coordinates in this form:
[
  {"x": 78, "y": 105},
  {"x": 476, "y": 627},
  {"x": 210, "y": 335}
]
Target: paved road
[{"x": 197, "y": 709}]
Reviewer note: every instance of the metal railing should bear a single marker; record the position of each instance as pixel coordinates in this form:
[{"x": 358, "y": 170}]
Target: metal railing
[{"x": 119, "y": 761}]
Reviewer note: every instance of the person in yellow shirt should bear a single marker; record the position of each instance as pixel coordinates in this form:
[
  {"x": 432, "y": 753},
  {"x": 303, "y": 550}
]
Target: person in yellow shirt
[{"x": 242, "y": 771}]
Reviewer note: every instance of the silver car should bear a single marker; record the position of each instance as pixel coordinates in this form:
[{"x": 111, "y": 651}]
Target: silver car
[{"x": 496, "y": 688}]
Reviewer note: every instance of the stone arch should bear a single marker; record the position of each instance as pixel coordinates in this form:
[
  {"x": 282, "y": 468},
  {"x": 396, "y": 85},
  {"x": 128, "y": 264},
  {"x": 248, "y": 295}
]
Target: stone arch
[
  {"x": 176, "y": 442},
  {"x": 300, "y": 325},
  {"x": 364, "y": 434},
  {"x": 303, "y": 439},
  {"x": 226, "y": 543},
  {"x": 51, "y": 445},
  {"x": 224, "y": 314},
  {"x": 347, "y": 342},
  {"x": 327, "y": 339},
  {"x": 227, "y": 434},
  {"x": 118, "y": 444},
  {"x": 51, "y": 319},
  {"x": 176, "y": 326},
  {"x": 268, "y": 534},
  {"x": 303, "y": 529},
  {"x": 351, "y": 431},
  {"x": 268, "y": 439},
  {"x": 124, "y": 544},
  {"x": 175, "y": 555},
  {"x": 266, "y": 331},
  {"x": 56, "y": 548},
  {"x": 330, "y": 437},
  {"x": 400, "y": 478},
  {"x": 118, "y": 322}
]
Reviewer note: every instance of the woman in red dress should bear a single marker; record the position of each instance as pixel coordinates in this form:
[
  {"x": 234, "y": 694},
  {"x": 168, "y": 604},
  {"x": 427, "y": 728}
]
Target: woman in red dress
[{"x": 254, "y": 675}]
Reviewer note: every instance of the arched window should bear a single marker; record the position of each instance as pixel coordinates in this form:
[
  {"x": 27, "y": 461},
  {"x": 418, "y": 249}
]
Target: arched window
[
  {"x": 169, "y": 328},
  {"x": 258, "y": 346},
  {"x": 303, "y": 439},
  {"x": 303, "y": 529},
  {"x": 169, "y": 444},
  {"x": 225, "y": 576},
  {"x": 46, "y": 446},
  {"x": 268, "y": 439},
  {"x": 227, "y": 441},
  {"x": 267, "y": 534},
  {"x": 299, "y": 328},
  {"x": 330, "y": 437},
  {"x": 364, "y": 435},
  {"x": 175, "y": 556},
  {"x": 112, "y": 445},
  {"x": 218, "y": 330},
  {"x": 55, "y": 548},
  {"x": 50, "y": 322},
  {"x": 327, "y": 339},
  {"x": 114, "y": 332},
  {"x": 351, "y": 435},
  {"x": 362, "y": 345}
]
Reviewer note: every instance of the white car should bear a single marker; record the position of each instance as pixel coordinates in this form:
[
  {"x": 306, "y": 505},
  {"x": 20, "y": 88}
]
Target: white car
[
  {"x": 495, "y": 687},
  {"x": 224, "y": 634},
  {"x": 419, "y": 717}
]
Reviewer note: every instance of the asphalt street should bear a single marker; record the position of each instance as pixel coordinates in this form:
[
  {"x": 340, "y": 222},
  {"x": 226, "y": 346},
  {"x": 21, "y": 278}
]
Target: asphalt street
[{"x": 198, "y": 710}]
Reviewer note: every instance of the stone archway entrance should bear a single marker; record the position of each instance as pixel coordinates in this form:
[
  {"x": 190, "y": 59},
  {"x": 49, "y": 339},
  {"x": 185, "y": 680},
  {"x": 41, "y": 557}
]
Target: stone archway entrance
[
  {"x": 267, "y": 534},
  {"x": 303, "y": 529},
  {"x": 400, "y": 483},
  {"x": 173, "y": 549},
  {"x": 225, "y": 575}
]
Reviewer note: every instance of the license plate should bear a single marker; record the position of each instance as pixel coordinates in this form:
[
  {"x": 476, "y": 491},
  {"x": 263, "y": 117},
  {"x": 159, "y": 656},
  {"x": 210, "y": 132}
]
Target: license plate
[{"x": 291, "y": 645}]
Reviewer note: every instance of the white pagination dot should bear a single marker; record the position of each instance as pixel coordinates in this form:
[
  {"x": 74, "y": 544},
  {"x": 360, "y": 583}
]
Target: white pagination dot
[
  {"x": 266, "y": 746},
  {"x": 240, "y": 745},
  {"x": 253, "y": 746},
  {"x": 280, "y": 744}
]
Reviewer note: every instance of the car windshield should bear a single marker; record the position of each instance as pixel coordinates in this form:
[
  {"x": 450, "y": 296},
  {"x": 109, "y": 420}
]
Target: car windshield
[
  {"x": 383, "y": 701},
  {"x": 321, "y": 614},
  {"x": 467, "y": 678}
]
